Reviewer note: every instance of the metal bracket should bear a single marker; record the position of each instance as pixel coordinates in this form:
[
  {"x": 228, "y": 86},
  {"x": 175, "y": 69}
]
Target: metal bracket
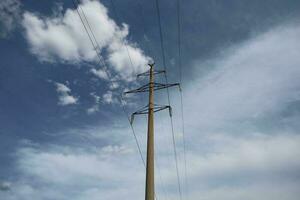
[
  {"x": 145, "y": 110},
  {"x": 147, "y": 73},
  {"x": 156, "y": 86}
]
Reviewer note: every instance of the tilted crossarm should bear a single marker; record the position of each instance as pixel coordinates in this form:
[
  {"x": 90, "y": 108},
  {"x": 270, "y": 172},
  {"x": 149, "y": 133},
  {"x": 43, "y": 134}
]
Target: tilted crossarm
[
  {"x": 145, "y": 110},
  {"x": 156, "y": 86}
]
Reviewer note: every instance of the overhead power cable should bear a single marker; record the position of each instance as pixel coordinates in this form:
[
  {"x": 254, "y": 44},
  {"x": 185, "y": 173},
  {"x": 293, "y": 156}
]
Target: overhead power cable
[
  {"x": 181, "y": 92},
  {"x": 123, "y": 41},
  {"x": 139, "y": 146},
  {"x": 141, "y": 9},
  {"x": 168, "y": 94},
  {"x": 90, "y": 33},
  {"x": 95, "y": 44},
  {"x": 117, "y": 17},
  {"x": 133, "y": 131}
]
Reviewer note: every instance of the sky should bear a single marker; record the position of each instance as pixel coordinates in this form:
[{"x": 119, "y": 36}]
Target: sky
[{"x": 63, "y": 132}]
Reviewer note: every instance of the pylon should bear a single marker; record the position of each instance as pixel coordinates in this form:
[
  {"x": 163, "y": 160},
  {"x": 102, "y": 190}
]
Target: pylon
[{"x": 150, "y": 109}]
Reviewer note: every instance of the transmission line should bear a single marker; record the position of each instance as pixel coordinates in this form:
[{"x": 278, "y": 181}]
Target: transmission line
[
  {"x": 123, "y": 41},
  {"x": 181, "y": 93},
  {"x": 96, "y": 45},
  {"x": 168, "y": 94},
  {"x": 139, "y": 148},
  {"x": 90, "y": 33},
  {"x": 141, "y": 9},
  {"x": 118, "y": 19}
]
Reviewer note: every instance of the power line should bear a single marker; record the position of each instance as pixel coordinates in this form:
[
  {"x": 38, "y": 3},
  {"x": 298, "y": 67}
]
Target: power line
[
  {"x": 139, "y": 148},
  {"x": 118, "y": 19},
  {"x": 96, "y": 45},
  {"x": 144, "y": 29},
  {"x": 90, "y": 34},
  {"x": 133, "y": 132},
  {"x": 181, "y": 93},
  {"x": 168, "y": 94},
  {"x": 124, "y": 41}
]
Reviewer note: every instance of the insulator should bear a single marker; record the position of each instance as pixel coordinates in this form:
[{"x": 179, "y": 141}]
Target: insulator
[
  {"x": 170, "y": 111},
  {"x": 132, "y": 118}
]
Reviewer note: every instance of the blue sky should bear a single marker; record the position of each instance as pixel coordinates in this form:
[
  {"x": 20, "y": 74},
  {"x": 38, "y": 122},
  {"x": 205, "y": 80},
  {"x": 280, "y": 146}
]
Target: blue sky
[{"x": 63, "y": 133}]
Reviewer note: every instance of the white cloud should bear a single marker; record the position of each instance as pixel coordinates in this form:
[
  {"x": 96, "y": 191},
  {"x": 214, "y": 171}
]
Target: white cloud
[
  {"x": 244, "y": 92},
  {"x": 248, "y": 89},
  {"x": 100, "y": 73},
  {"x": 250, "y": 157},
  {"x": 266, "y": 163},
  {"x": 127, "y": 57},
  {"x": 5, "y": 186},
  {"x": 256, "y": 79},
  {"x": 95, "y": 107},
  {"x": 114, "y": 85},
  {"x": 229, "y": 155},
  {"x": 108, "y": 98},
  {"x": 64, "y": 95},
  {"x": 10, "y": 14},
  {"x": 63, "y": 38},
  {"x": 98, "y": 171}
]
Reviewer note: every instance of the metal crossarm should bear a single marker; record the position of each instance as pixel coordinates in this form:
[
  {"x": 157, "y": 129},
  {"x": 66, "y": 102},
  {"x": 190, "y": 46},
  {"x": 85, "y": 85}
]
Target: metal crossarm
[
  {"x": 147, "y": 73},
  {"x": 143, "y": 88},
  {"x": 145, "y": 110},
  {"x": 150, "y": 109},
  {"x": 156, "y": 86},
  {"x": 159, "y": 86}
]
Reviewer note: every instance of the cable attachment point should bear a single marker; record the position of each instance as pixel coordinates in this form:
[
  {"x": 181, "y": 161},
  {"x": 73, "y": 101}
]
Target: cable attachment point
[
  {"x": 147, "y": 73},
  {"x": 131, "y": 119},
  {"x": 170, "y": 111},
  {"x": 145, "y": 110},
  {"x": 156, "y": 86}
]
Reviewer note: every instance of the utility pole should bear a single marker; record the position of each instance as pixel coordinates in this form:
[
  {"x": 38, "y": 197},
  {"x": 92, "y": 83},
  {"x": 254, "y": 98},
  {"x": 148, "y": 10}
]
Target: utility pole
[
  {"x": 150, "y": 141},
  {"x": 150, "y": 109}
]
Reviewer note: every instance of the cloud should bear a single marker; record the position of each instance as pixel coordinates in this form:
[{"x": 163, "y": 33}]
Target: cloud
[
  {"x": 100, "y": 73},
  {"x": 123, "y": 57},
  {"x": 5, "y": 186},
  {"x": 252, "y": 81},
  {"x": 265, "y": 163},
  {"x": 252, "y": 157},
  {"x": 95, "y": 107},
  {"x": 109, "y": 98},
  {"x": 97, "y": 170},
  {"x": 63, "y": 38},
  {"x": 241, "y": 141},
  {"x": 64, "y": 95},
  {"x": 240, "y": 121},
  {"x": 10, "y": 14},
  {"x": 230, "y": 154}
]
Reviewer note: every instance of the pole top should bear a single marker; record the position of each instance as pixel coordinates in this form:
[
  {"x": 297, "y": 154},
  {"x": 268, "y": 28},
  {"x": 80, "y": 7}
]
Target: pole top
[{"x": 151, "y": 64}]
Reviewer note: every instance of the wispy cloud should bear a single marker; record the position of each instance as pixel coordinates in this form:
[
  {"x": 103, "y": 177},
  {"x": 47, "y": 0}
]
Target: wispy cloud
[
  {"x": 230, "y": 154},
  {"x": 10, "y": 15},
  {"x": 95, "y": 107},
  {"x": 252, "y": 81},
  {"x": 64, "y": 95},
  {"x": 5, "y": 186},
  {"x": 109, "y": 98}
]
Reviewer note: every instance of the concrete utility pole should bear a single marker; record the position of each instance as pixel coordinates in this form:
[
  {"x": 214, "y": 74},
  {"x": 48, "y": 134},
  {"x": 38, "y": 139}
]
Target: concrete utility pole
[
  {"x": 150, "y": 141},
  {"x": 150, "y": 109}
]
